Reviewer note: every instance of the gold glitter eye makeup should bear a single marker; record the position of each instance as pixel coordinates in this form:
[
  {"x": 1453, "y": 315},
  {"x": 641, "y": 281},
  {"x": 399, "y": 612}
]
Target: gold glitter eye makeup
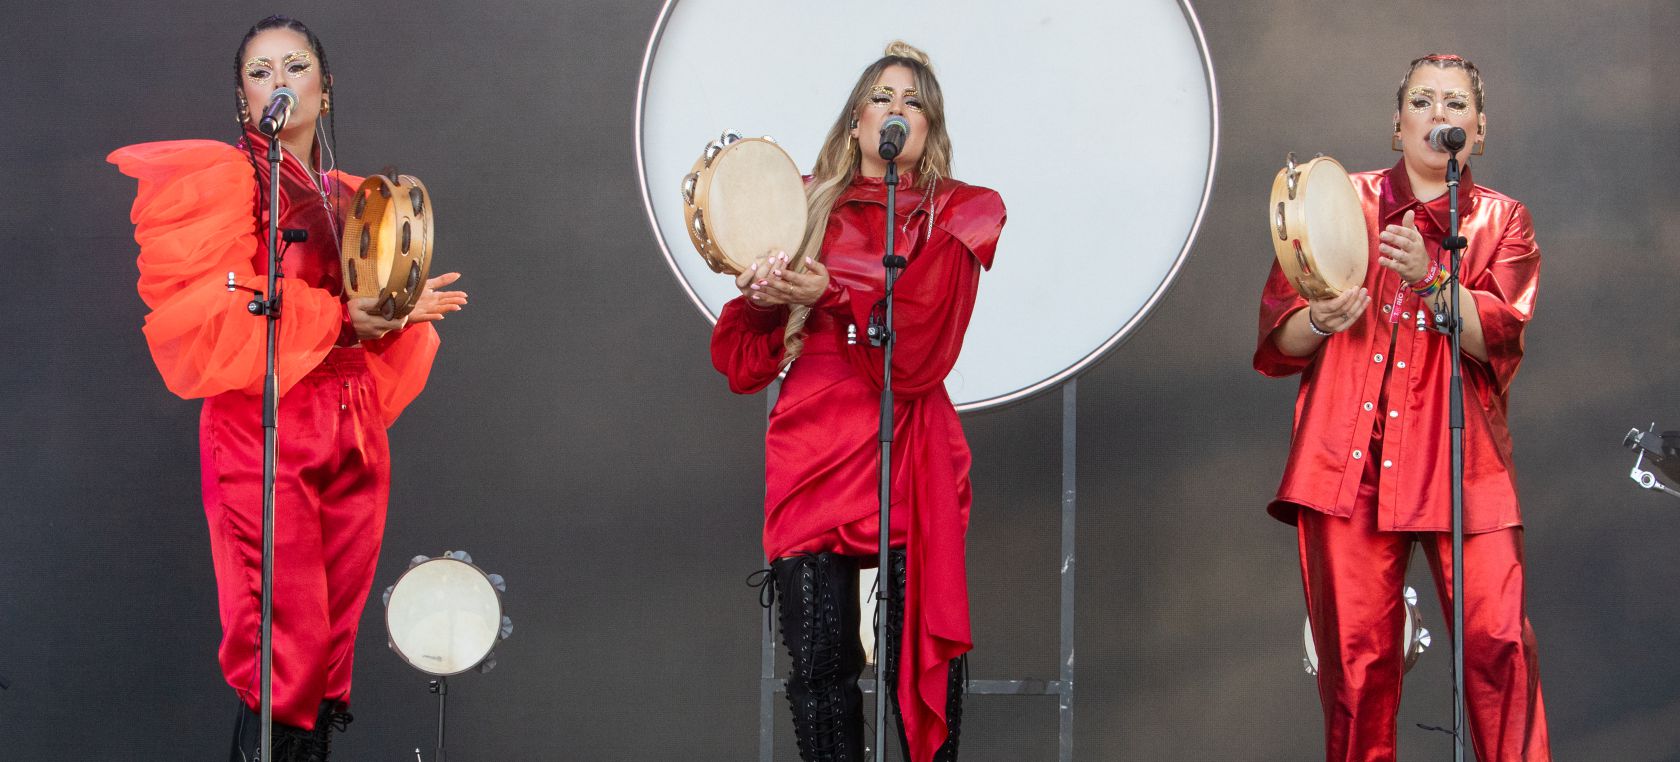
[
  {"x": 912, "y": 99},
  {"x": 1419, "y": 99},
  {"x": 259, "y": 69},
  {"x": 1458, "y": 102},
  {"x": 297, "y": 63}
]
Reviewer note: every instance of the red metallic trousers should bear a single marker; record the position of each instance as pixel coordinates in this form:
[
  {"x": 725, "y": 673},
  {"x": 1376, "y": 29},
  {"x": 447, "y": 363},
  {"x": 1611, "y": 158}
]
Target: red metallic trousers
[
  {"x": 1353, "y": 576},
  {"x": 331, "y": 487}
]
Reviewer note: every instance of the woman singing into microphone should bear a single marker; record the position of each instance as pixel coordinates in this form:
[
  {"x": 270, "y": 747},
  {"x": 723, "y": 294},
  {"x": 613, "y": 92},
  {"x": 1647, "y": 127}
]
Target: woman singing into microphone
[
  {"x": 345, "y": 373},
  {"x": 1368, "y": 474},
  {"x": 797, "y": 312}
]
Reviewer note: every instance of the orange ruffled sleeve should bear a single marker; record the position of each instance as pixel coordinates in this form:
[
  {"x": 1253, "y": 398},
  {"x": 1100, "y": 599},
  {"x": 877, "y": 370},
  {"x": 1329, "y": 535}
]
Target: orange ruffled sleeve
[{"x": 194, "y": 223}]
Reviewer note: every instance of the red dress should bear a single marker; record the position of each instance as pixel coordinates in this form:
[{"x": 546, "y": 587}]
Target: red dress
[
  {"x": 1368, "y": 476},
  {"x": 822, "y": 454},
  {"x": 195, "y": 220}
]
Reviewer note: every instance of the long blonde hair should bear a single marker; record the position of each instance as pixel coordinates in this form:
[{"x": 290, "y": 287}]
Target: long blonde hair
[{"x": 840, "y": 158}]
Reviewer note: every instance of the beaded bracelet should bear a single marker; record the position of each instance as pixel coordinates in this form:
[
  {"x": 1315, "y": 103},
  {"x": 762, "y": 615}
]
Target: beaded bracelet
[{"x": 1316, "y": 329}]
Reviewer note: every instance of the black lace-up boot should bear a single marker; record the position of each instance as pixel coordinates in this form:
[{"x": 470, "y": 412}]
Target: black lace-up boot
[
  {"x": 888, "y": 655},
  {"x": 332, "y": 718},
  {"x": 819, "y": 622},
  {"x": 291, "y": 744}
]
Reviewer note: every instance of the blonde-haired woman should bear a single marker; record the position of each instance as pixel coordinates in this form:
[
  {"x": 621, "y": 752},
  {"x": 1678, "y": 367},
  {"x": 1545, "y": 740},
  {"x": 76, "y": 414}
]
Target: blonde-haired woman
[{"x": 821, "y": 450}]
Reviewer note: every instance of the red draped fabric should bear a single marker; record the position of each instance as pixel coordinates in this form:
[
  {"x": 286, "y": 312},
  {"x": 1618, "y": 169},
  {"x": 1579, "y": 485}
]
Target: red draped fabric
[{"x": 822, "y": 451}]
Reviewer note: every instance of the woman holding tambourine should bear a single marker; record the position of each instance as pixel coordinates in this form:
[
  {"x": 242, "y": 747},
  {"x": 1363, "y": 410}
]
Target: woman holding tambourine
[
  {"x": 1368, "y": 473},
  {"x": 797, "y": 311},
  {"x": 346, "y": 370}
]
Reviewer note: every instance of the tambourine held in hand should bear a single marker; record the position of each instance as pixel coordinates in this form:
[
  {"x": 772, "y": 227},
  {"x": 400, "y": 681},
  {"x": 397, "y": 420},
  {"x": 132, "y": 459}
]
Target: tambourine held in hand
[
  {"x": 387, "y": 247},
  {"x": 744, "y": 199},
  {"x": 1318, "y": 228}
]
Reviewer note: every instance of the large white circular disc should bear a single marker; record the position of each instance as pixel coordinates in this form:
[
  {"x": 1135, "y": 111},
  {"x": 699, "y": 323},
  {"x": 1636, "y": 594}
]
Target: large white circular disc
[
  {"x": 1095, "y": 121},
  {"x": 443, "y": 616}
]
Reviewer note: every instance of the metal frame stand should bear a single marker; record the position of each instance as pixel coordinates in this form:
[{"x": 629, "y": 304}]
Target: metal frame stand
[{"x": 770, "y": 684}]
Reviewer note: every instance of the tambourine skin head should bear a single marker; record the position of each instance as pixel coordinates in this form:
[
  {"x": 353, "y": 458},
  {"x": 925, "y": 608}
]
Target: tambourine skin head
[
  {"x": 444, "y": 616},
  {"x": 386, "y": 251},
  {"x": 744, "y": 199},
  {"x": 1317, "y": 228}
]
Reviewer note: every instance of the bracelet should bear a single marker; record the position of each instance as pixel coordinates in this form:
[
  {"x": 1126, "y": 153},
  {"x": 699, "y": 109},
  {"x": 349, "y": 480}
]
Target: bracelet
[
  {"x": 1316, "y": 329},
  {"x": 1432, "y": 281}
]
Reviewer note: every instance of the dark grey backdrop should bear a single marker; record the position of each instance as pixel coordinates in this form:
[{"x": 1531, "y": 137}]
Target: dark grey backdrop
[{"x": 575, "y": 438}]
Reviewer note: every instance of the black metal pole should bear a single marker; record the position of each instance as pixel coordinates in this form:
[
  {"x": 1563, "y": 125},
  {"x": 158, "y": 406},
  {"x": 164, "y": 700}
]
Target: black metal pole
[
  {"x": 440, "y": 686},
  {"x": 1454, "y": 246},
  {"x": 270, "y": 309},
  {"x": 893, "y": 264}
]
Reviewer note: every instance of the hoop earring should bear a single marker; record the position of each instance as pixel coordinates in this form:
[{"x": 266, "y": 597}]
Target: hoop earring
[
  {"x": 1479, "y": 147},
  {"x": 1394, "y": 142},
  {"x": 244, "y": 111},
  {"x": 326, "y": 103}
]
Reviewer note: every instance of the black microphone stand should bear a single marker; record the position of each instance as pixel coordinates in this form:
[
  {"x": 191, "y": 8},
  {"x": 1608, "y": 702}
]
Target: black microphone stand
[
  {"x": 881, "y": 335},
  {"x": 269, "y": 308},
  {"x": 1454, "y": 244}
]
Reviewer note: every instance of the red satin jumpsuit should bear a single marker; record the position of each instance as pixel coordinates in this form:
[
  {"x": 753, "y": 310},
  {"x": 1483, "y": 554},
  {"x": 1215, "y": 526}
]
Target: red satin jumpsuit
[
  {"x": 1369, "y": 474},
  {"x": 822, "y": 454},
  {"x": 195, "y": 221}
]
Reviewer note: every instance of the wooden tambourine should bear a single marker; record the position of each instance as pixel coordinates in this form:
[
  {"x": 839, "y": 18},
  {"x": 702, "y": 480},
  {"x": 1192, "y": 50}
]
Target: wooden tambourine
[
  {"x": 1318, "y": 228},
  {"x": 744, "y": 199},
  {"x": 387, "y": 247}
]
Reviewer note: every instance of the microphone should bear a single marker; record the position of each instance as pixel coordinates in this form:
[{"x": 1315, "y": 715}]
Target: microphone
[
  {"x": 279, "y": 110},
  {"x": 893, "y": 134},
  {"x": 1447, "y": 138}
]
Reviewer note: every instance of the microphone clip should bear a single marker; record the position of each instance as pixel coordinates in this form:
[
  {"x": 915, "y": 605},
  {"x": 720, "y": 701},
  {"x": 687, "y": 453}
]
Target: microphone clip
[
  {"x": 877, "y": 331},
  {"x": 259, "y": 306}
]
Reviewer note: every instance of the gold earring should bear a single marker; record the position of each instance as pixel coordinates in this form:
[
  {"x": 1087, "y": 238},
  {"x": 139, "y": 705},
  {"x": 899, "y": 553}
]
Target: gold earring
[
  {"x": 244, "y": 111},
  {"x": 1394, "y": 142},
  {"x": 1478, "y": 147}
]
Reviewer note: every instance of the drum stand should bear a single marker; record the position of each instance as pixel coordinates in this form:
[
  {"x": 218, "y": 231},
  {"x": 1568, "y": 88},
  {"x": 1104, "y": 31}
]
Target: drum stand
[
  {"x": 1662, "y": 450},
  {"x": 440, "y": 687}
]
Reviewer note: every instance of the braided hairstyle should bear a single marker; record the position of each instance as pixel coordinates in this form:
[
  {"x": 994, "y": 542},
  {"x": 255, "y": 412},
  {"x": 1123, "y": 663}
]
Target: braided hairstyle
[
  {"x": 242, "y": 109},
  {"x": 1443, "y": 61}
]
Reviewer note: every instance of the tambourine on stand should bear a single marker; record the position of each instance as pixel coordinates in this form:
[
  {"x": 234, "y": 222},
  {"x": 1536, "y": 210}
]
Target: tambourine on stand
[
  {"x": 444, "y": 617},
  {"x": 1414, "y": 639}
]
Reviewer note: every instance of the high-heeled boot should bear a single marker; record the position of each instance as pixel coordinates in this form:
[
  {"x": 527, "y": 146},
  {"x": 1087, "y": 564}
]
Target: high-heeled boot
[
  {"x": 888, "y": 654},
  {"x": 819, "y": 621}
]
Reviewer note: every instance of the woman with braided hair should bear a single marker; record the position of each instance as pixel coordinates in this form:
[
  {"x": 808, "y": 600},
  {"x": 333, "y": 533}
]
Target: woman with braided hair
[
  {"x": 1368, "y": 471},
  {"x": 345, "y": 373},
  {"x": 821, "y": 524}
]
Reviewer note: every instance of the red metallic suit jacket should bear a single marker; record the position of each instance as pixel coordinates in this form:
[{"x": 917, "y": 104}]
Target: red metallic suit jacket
[
  {"x": 195, "y": 223},
  {"x": 822, "y": 452},
  {"x": 1344, "y": 399}
]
